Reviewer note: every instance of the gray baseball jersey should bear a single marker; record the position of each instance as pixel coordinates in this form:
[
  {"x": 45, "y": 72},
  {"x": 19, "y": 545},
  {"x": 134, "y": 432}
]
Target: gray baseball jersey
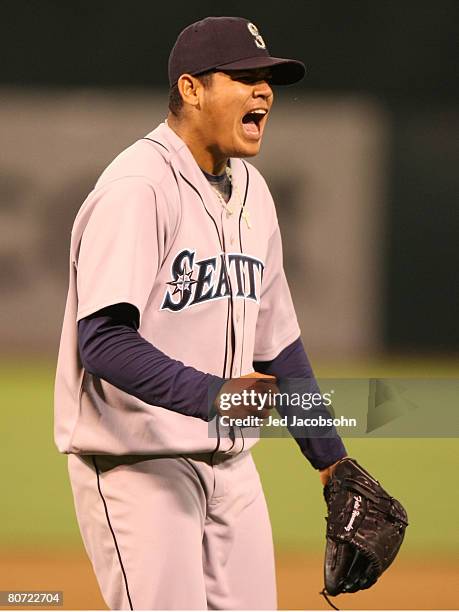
[{"x": 207, "y": 280}]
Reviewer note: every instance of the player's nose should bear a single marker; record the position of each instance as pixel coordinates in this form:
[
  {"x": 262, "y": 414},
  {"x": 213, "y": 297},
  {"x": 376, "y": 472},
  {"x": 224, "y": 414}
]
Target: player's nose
[{"x": 262, "y": 89}]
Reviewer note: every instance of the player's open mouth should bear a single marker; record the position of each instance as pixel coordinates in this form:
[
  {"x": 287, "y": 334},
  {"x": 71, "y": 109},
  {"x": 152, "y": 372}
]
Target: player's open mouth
[{"x": 252, "y": 123}]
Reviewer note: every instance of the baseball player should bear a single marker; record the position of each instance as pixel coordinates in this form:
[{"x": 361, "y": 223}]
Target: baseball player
[{"x": 177, "y": 293}]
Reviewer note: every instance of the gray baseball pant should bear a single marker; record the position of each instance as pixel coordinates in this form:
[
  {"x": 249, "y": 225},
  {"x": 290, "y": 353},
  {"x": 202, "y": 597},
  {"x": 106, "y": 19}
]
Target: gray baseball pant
[{"x": 176, "y": 532}]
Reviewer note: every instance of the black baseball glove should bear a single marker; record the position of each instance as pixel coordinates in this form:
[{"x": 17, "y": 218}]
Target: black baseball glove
[{"x": 365, "y": 529}]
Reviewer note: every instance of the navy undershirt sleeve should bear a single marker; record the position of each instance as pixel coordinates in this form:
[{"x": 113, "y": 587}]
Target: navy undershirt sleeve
[
  {"x": 293, "y": 364},
  {"x": 111, "y": 348}
]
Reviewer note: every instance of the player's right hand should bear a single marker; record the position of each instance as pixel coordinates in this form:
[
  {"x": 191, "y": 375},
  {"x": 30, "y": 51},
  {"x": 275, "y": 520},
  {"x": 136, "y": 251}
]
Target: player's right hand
[{"x": 249, "y": 395}]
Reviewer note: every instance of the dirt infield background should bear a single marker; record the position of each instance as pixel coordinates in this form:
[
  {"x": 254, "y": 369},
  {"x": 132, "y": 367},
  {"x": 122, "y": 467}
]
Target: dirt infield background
[{"x": 420, "y": 584}]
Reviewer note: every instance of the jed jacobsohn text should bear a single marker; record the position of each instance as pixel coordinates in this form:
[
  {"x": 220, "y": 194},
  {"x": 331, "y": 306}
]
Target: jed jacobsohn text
[{"x": 293, "y": 421}]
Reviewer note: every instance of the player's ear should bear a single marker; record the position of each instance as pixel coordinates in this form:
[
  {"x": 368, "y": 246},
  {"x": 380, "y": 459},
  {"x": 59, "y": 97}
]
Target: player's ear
[{"x": 190, "y": 89}]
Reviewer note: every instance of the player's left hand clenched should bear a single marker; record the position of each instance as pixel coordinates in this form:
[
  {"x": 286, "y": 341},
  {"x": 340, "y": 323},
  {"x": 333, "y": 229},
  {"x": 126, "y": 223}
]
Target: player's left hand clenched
[{"x": 249, "y": 395}]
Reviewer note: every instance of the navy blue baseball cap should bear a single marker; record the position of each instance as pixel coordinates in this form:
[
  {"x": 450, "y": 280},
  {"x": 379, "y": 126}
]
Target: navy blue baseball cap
[{"x": 226, "y": 44}]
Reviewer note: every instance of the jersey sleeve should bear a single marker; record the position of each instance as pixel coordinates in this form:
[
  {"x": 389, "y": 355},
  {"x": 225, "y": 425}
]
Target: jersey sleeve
[
  {"x": 118, "y": 256},
  {"x": 277, "y": 324}
]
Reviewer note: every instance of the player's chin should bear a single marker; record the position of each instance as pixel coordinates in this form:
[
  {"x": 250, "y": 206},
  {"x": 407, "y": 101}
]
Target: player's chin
[
  {"x": 250, "y": 151},
  {"x": 248, "y": 146}
]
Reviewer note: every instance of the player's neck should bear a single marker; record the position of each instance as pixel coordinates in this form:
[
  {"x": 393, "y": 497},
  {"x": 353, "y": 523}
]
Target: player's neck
[{"x": 207, "y": 159}]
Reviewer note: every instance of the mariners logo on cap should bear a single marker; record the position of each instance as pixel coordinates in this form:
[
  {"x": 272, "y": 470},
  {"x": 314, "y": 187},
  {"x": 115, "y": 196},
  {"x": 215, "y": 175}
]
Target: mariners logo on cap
[{"x": 257, "y": 36}]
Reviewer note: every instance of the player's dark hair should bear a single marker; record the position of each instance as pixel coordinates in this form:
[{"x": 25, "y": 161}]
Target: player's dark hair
[{"x": 176, "y": 100}]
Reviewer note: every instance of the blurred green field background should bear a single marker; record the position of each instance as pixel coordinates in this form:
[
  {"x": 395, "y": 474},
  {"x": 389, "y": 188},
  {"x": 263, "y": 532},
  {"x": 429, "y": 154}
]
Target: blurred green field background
[{"x": 36, "y": 501}]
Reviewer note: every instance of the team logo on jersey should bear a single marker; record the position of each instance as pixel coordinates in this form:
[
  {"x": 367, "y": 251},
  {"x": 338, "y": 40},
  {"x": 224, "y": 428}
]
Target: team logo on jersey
[
  {"x": 256, "y": 35},
  {"x": 227, "y": 275}
]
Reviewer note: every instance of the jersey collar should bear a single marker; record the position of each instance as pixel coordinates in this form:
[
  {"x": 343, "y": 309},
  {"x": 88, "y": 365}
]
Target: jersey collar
[{"x": 180, "y": 156}]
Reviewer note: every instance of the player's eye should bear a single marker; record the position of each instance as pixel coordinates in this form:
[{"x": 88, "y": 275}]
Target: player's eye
[
  {"x": 243, "y": 78},
  {"x": 251, "y": 79}
]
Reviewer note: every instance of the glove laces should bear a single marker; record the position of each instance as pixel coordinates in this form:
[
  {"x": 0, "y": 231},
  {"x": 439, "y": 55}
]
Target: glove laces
[{"x": 326, "y": 596}]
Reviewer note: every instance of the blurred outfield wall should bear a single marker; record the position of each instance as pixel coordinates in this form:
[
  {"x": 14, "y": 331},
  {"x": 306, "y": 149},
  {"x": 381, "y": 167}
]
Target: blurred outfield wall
[{"x": 325, "y": 162}]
